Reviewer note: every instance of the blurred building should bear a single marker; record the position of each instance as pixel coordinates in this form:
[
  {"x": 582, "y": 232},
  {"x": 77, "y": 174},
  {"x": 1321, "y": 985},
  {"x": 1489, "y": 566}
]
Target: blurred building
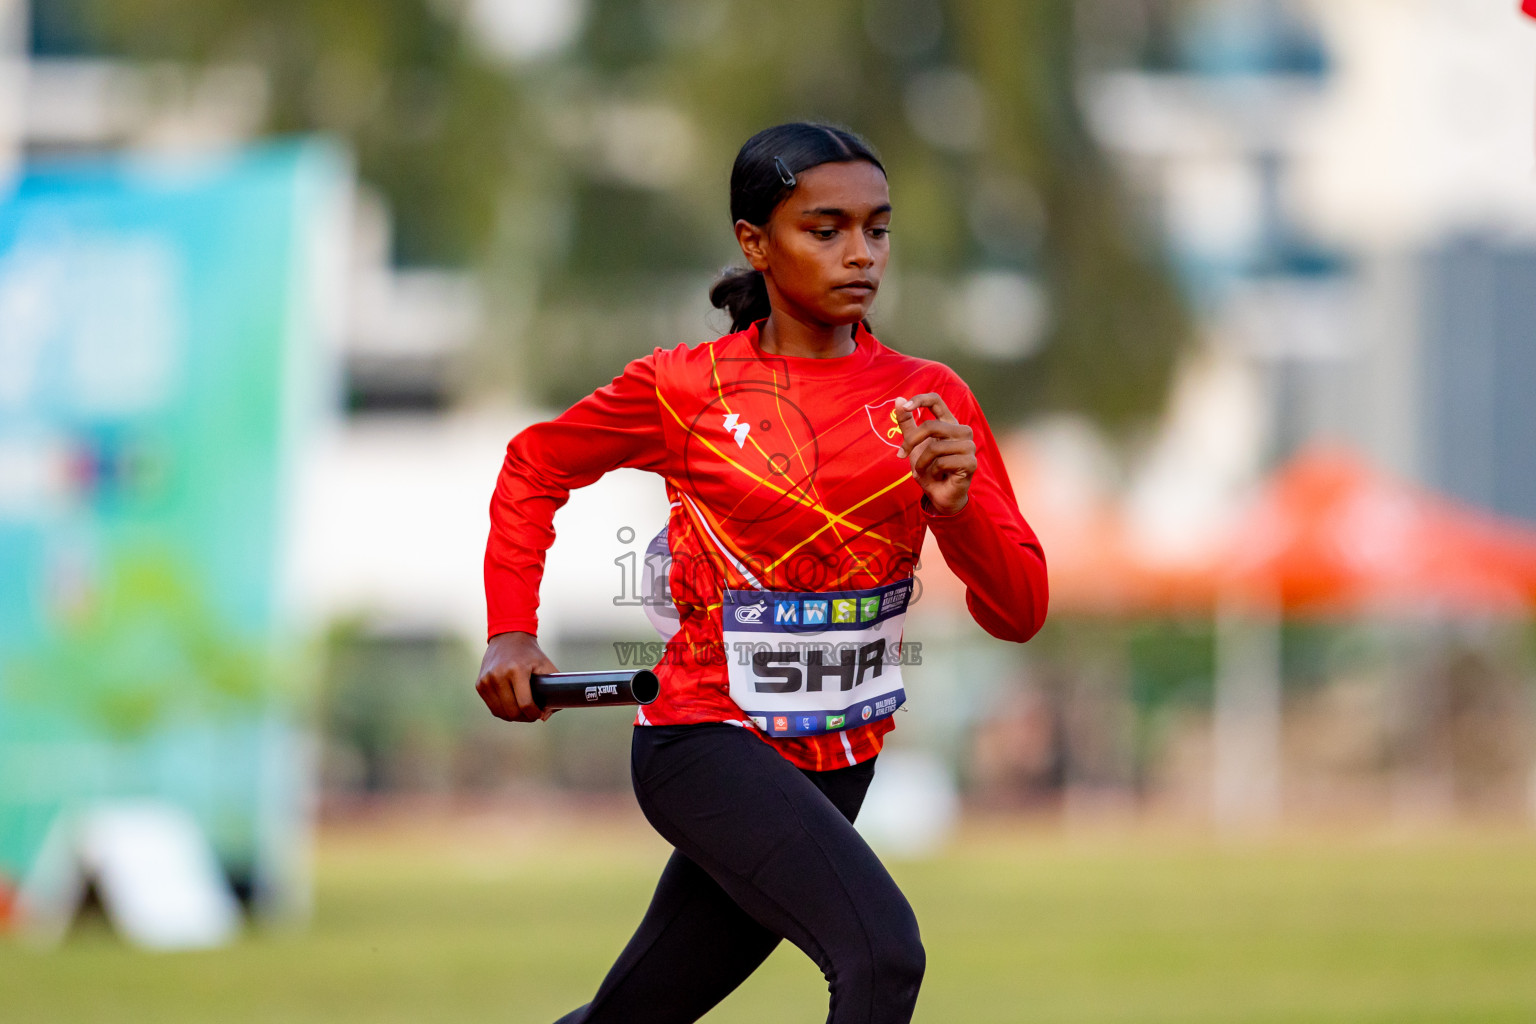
[{"x": 1346, "y": 186}]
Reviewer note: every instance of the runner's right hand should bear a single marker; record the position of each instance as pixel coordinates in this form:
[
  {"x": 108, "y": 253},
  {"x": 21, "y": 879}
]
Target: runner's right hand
[{"x": 509, "y": 660}]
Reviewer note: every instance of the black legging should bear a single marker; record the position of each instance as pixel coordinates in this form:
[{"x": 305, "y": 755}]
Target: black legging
[{"x": 764, "y": 851}]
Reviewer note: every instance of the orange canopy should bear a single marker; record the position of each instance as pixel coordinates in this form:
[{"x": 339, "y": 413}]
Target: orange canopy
[
  {"x": 1331, "y": 534},
  {"x": 1327, "y": 534}
]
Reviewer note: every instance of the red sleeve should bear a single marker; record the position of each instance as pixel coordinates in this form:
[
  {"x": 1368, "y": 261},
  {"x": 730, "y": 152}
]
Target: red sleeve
[
  {"x": 617, "y": 425},
  {"x": 988, "y": 545}
]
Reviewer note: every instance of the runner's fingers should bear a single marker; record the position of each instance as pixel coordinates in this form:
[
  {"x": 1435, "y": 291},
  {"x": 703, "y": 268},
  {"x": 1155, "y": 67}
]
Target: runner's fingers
[
  {"x": 906, "y": 413},
  {"x": 522, "y": 691},
  {"x": 955, "y": 465},
  {"x": 906, "y": 423},
  {"x": 935, "y": 448},
  {"x": 913, "y": 436},
  {"x": 497, "y": 695},
  {"x": 933, "y": 400},
  {"x": 543, "y": 667},
  {"x": 507, "y": 694}
]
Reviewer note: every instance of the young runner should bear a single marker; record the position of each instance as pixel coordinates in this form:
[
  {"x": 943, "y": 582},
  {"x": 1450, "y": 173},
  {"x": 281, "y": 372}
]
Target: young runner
[{"x": 804, "y": 462}]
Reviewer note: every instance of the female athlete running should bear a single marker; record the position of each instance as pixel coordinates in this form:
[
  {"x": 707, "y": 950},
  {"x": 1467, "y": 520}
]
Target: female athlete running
[{"x": 804, "y": 462}]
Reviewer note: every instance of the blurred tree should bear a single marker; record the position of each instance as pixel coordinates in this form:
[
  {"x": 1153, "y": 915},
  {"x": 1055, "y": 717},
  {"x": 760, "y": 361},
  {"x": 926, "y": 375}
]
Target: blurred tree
[
  {"x": 1117, "y": 318},
  {"x": 435, "y": 123},
  {"x": 590, "y": 184}
]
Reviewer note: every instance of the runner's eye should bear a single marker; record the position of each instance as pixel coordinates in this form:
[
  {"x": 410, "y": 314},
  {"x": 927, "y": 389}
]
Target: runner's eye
[
  {"x": 880, "y": 232},
  {"x": 823, "y": 233}
]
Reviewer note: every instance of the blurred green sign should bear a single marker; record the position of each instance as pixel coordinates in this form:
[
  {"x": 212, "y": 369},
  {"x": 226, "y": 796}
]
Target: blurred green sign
[{"x": 161, "y": 363}]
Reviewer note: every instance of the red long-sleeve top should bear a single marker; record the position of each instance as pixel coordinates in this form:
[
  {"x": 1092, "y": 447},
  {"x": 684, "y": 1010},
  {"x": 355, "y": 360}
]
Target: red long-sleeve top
[{"x": 783, "y": 474}]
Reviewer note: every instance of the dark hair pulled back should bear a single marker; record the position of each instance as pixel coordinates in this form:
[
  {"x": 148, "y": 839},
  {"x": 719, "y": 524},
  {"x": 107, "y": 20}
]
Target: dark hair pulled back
[{"x": 758, "y": 186}]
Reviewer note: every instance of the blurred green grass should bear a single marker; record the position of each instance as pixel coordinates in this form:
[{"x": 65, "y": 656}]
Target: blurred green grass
[{"x": 492, "y": 922}]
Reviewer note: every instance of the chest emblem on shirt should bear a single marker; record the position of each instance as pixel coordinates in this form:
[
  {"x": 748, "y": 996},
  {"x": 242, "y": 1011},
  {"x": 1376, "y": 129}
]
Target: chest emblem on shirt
[{"x": 882, "y": 420}]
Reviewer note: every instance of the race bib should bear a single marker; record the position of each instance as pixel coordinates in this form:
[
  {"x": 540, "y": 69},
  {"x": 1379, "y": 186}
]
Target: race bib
[{"x": 808, "y": 662}]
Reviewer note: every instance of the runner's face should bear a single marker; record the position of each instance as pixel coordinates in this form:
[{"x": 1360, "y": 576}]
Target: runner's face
[{"x": 826, "y": 245}]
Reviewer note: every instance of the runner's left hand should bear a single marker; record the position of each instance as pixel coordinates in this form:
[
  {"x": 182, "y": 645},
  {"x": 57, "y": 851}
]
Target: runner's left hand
[{"x": 940, "y": 450}]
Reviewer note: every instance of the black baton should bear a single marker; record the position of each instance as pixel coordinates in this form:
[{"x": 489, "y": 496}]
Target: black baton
[{"x": 594, "y": 689}]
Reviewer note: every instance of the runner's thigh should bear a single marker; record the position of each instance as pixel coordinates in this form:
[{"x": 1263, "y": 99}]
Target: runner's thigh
[{"x": 789, "y": 857}]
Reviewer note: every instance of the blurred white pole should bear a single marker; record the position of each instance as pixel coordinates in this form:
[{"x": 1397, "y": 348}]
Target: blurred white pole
[
  {"x": 13, "y": 83},
  {"x": 1245, "y": 761}
]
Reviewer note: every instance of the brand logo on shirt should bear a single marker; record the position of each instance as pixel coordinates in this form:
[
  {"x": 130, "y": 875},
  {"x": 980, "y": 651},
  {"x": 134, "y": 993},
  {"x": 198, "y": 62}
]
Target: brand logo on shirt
[
  {"x": 786, "y": 611},
  {"x": 775, "y": 442},
  {"x": 844, "y": 609},
  {"x": 761, "y": 721},
  {"x": 866, "y": 712},
  {"x": 869, "y": 607},
  {"x": 740, "y": 430},
  {"x": 808, "y": 723},
  {"x": 781, "y": 723},
  {"x": 751, "y": 612},
  {"x": 815, "y": 613},
  {"x": 835, "y": 721}
]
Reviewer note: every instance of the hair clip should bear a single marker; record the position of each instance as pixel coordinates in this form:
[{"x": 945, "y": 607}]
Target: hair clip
[{"x": 785, "y": 175}]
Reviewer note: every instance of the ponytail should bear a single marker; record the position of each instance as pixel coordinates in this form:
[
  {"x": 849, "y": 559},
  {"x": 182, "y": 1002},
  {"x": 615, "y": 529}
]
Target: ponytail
[{"x": 743, "y": 293}]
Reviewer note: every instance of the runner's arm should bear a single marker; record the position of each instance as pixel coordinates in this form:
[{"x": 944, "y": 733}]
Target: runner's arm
[
  {"x": 617, "y": 425},
  {"x": 988, "y": 544}
]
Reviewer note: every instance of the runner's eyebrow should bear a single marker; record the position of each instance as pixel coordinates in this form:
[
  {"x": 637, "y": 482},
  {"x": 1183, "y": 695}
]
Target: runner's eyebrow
[{"x": 837, "y": 211}]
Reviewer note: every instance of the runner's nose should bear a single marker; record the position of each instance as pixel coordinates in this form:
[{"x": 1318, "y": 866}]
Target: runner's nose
[{"x": 859, "y": 254}]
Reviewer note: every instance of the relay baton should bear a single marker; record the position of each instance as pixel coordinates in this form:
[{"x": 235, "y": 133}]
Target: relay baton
[{"x": 594, "y": 689}]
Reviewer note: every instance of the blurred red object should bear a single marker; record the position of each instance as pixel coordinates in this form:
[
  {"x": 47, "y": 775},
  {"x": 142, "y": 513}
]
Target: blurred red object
[
  {"x": 7, "y": 905},
  {"x": 1330, "y": 534},
  {"x": 1529, "y": 7}
]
